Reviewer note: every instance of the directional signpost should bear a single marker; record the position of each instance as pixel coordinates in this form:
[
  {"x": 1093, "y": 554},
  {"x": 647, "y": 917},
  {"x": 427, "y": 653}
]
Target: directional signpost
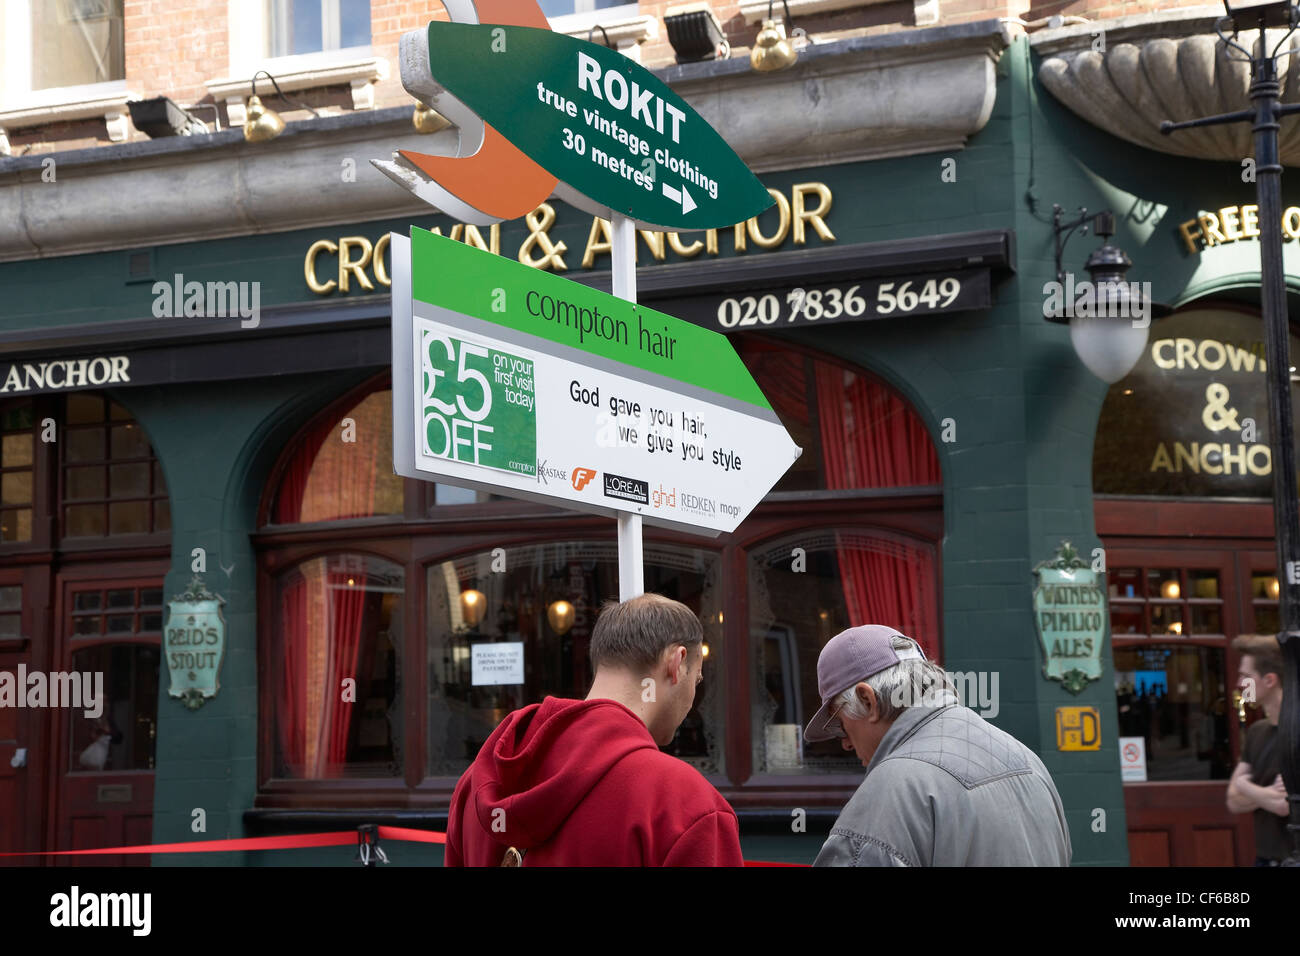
[
  {"x": 511, "y": 379},
  {"x": 524, "y": 383},
  {"x": 619, "y": 139}
]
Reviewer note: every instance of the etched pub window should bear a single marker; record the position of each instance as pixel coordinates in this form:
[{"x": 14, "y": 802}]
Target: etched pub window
[{"x": 537, "y": 611}]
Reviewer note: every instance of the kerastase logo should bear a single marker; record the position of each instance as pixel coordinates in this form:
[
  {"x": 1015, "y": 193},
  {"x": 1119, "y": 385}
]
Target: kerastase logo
[
  {"x": 698, "y": 504},
  {"x": 627, "y": 489},
  {"x": 545, "y": 471},
  {"x": 581, "y": 476},
  {"x": 665, "y": 499}
]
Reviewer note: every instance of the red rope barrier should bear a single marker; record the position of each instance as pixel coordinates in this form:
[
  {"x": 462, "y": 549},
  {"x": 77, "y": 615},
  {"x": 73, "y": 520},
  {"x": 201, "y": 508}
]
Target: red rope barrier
[{"x": 296, "y": 842}]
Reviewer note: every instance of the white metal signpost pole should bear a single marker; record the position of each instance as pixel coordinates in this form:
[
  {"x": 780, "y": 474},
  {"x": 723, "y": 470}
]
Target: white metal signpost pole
[
  {"x": 680, "y": 415},
  {"x": 631, "y": 559}
]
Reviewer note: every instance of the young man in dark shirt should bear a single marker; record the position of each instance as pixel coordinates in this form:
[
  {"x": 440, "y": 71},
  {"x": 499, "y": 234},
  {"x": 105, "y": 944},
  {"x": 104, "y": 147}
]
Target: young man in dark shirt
[{"x": 1256, "y": 785}]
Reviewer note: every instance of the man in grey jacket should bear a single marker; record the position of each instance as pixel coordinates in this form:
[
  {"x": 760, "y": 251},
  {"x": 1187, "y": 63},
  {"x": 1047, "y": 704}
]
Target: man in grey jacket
[{"x": 943, "y": 786}]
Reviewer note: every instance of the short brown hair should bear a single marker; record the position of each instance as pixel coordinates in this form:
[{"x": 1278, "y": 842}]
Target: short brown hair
[
  {"x": 634, "y": 633},
  {"x": 1265, "y": 650}
]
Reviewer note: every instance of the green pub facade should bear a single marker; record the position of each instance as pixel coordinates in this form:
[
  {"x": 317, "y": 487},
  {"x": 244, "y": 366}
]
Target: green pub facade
[{"x": 196, "y": 418}]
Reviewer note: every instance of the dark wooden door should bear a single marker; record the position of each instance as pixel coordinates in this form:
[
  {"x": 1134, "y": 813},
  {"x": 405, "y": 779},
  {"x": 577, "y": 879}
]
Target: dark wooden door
[
  {"x": 111, "y": 630},
  {"x": 1185, "y": 578},
  {"x": 24, "y": 731},
  {"x": 1174, "y": 613}
]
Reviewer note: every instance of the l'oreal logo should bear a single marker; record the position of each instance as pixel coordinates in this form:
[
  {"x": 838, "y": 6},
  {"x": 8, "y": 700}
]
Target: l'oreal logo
[{"x": 627, "y": 489}]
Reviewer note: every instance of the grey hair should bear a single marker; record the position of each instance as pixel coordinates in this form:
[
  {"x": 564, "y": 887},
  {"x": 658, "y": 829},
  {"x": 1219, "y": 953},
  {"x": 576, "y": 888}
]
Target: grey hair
[{"x": 908, "y": 683}]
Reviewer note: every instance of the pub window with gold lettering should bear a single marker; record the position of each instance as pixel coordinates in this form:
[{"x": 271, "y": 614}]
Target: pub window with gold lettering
[{"x": 1191, "y": 419}]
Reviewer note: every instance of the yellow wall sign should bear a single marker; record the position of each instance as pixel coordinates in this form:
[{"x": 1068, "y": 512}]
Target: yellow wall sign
[
  {"x": 1232, "y": 223},
  {"x": 1078, "y": 728},
  {"x": 358, "y": 262}
]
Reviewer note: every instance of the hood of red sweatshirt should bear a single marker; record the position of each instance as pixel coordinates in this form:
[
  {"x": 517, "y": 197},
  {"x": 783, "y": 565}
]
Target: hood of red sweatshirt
[{"x": 544, "y": 759}]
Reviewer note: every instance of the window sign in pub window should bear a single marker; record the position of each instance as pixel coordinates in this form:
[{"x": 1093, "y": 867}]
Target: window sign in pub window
[
  {"x": 1192, "y": 417},
  {"x": 512, "y": 626}
]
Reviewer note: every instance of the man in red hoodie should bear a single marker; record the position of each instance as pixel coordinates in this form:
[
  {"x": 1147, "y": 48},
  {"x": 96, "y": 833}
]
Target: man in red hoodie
[{"x": 583, "y": 782}]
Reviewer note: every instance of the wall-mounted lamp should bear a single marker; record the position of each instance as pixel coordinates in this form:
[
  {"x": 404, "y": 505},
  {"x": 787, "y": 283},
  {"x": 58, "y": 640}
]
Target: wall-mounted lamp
[
  {"x": 1107, "y": 339},
  {"x": 704, "y": 648},
  {"x": 695, "y": 33},
  {"x": 1274, "y": 588},
  {"x": 560, "y": 614},
  {"x": 473, "y": 605},
  {"x": 773, "y": 50},
  {"x": 263, "y": 123}
]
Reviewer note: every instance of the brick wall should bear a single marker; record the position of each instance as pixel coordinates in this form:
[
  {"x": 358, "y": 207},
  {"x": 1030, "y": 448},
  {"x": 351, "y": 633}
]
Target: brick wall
[{"x": 174, "y": 46}]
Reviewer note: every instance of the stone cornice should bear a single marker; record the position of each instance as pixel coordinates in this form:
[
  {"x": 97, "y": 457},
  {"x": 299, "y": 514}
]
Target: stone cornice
[
  {"x": 622, "y": 33},
  {"x": 1158, "y": 67},
  {"x": 936, "y": 88},
  {"x": 111, "y": 106}
]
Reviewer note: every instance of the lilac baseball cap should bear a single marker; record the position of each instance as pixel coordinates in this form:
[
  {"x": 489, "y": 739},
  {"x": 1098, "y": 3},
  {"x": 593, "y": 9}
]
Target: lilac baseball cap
[{"x": 849, "y": 657}]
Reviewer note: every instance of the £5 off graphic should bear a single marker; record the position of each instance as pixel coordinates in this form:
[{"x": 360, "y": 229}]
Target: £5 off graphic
[{"x": 480, "y": 403}]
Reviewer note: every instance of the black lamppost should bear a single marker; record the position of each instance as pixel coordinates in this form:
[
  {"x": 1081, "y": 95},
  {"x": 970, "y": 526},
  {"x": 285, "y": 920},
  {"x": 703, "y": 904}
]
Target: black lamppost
[{"x": 1264, "y": 90}]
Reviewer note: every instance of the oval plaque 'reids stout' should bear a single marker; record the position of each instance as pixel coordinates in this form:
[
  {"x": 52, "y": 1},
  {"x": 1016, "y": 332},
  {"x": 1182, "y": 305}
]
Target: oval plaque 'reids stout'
[{"x": 615, "y": 136}]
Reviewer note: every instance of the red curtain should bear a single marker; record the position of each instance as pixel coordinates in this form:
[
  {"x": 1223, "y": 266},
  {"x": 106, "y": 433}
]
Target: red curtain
[
  {"x": 288, "y": 502},
  {"x": 335, "y": 471},
  {"x": 321, "y": 626},
  {"x": 348, "y": 610},
  {"x": 291, "y": 709},
  {"x": 871, "y": 438},
  {"x": 784, "y": 383}
]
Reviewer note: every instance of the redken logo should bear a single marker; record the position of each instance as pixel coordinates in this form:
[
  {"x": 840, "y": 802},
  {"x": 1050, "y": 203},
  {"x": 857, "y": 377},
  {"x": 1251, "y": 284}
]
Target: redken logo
[
  {"x": 698, "y": 504},
  {"x": 77, "y": 909}
]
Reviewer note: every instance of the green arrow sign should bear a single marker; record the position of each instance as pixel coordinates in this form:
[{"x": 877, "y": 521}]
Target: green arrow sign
[
  {"x": 530, "y": 385},
  {"x": 600, "y": 123}
]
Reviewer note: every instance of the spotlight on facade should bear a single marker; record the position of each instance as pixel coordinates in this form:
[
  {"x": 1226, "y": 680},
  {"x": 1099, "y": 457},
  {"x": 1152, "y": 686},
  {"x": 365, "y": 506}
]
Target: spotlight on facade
[
  {"x": 695, "y": 33},
  {"x": 427, "y": 120},
  {"x": 1109, "y": 322},
  {"x": 160, "y": 117},
  {"x": 560, "y": 614},
  {"x": 773, "y": 50},
  {"x": 262, "y": 123},
  {"x": 473, "y": 605}
]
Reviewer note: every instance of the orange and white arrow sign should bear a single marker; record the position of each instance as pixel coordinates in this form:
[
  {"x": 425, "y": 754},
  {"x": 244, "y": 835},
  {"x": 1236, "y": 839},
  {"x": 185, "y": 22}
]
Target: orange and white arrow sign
[{"x": 488, "y": 180}]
